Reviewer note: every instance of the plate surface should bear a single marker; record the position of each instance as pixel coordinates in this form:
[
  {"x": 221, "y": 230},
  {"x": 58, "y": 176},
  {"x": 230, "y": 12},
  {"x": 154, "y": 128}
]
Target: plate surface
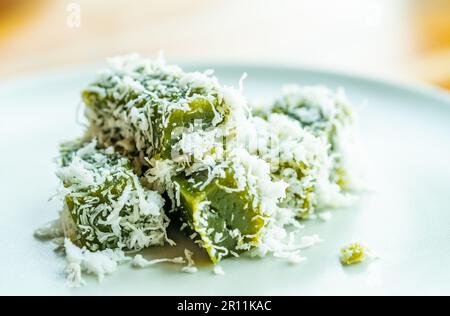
[{"x": 405, "y": 219}]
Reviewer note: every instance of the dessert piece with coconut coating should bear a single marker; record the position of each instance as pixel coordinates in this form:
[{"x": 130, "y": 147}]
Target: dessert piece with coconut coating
[
  {"x": 329, "y": 115},
  {"x": 105, "y": 205},
  {"x": 143, "y": 106},
  {"x": 160, "y": 141},
  {"x": 300, "y": 159}
]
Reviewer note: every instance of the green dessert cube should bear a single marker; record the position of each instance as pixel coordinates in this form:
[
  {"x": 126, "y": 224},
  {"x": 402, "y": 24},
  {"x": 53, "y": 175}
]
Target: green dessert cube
[
  {"x": 325, "y": 114},
  {"x": 221, "y": 216},
  {"x": 105, "y": 205}
]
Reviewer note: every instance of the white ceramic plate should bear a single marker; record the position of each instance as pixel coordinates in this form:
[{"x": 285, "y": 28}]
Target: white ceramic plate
[{"x": 406, "y": 219}]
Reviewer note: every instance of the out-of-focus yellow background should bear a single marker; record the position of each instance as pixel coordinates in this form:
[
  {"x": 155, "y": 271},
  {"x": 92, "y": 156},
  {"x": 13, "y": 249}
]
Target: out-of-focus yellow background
[{"x": 400, "y": 39}]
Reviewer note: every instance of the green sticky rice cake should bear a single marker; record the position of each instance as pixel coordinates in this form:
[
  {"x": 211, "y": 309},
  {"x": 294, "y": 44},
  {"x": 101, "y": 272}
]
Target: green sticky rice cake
[
  {"x": 105, "y": 205},
  {"x": 143, "y": 106},
  {"x": 328, "y": 115},
  {"x": 221, "y": 216}
]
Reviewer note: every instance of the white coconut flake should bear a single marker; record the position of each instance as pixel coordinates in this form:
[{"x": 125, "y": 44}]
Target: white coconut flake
[
  {"x": 140, "y": 262},
  {"x": 81, "y": 260},
  {"x": 50, "y": 230},
  {"x": 355, "y": 253},
  {"x": 218, "y": 270}
]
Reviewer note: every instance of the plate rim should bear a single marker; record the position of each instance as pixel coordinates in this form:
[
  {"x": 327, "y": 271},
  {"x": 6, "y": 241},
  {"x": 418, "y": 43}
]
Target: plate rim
[{"x": 422, "y": 88}]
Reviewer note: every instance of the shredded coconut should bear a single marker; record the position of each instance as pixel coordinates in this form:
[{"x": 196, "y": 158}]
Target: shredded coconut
[
  {"x": 325, "y": 216},
  {"x": 218, "y": 270},
  {"x": 141, "y": 262},
  {"x": 158, "y": 135},
  {"x": 50, "y": 230},
  {"x": 190, "y": 267}
]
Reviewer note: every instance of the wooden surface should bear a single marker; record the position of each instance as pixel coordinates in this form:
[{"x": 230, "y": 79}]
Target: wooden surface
[{"x": 375, "y": 37}]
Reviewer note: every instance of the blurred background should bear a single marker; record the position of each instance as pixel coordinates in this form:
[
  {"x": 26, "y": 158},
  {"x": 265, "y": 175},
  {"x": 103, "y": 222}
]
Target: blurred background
[{"x": 406, "y": 40}]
